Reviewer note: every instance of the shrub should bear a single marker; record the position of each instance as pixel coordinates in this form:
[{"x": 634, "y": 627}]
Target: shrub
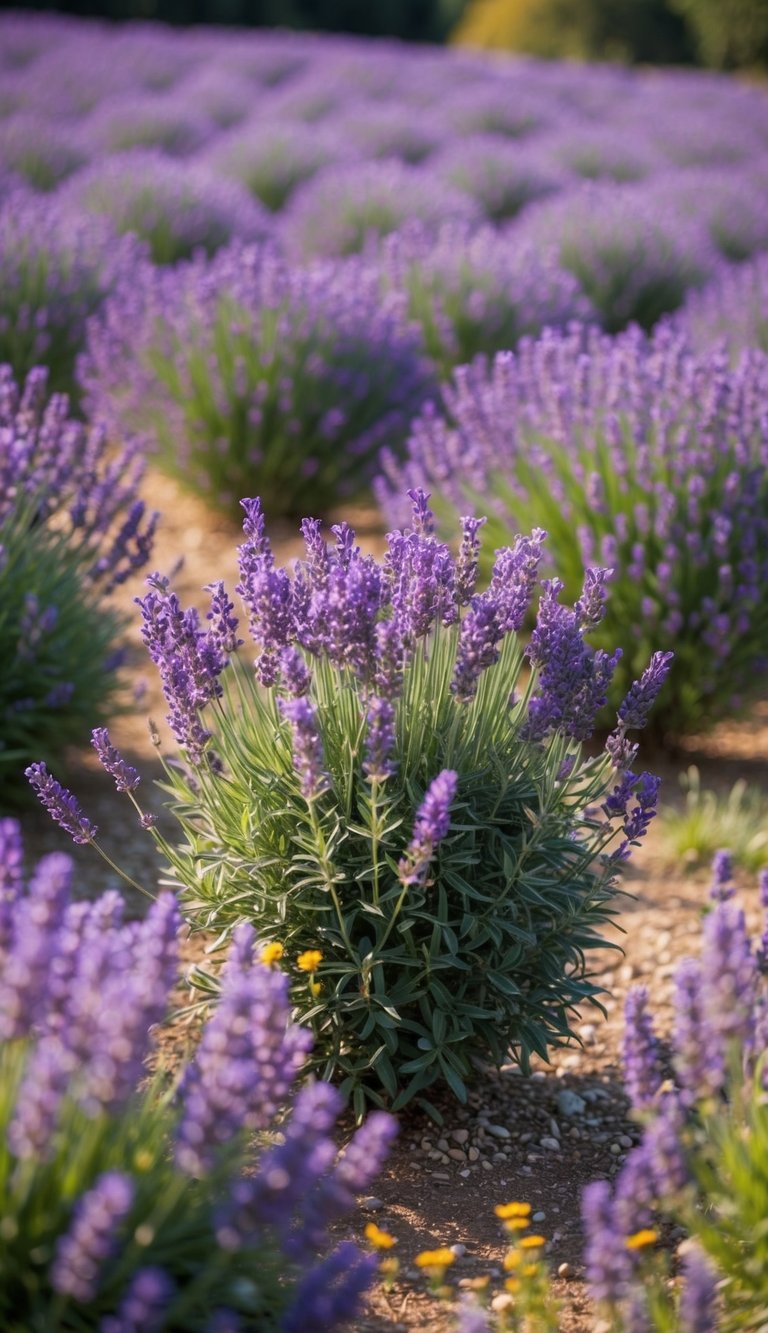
[
  {"x": 728, "y": 33},
  {"x": 240, "y": 369},
  {"x": 501, "y": 177},
  {"x": 474, "y": 291},
  {"x": 271, "y": 157},
  {"x": 55, "y": 270},
  {"x": 157, "y": 1209},
  {"x": 136, "y": 120},
  {"x": 504, "y": 107},
  {"x": 176, "y": 208},
  {"x": 702, "y": 1163},
  {"x": 731, "y": 203},
  {"x": 731, "y": 310},
  {"x": 600, "y": 152},
  {"x": 637, "y": 452},
  {"x": 37, "y": 152},
  {"x": 634, "y": 259},
  {"x": 391, "y": 130},
  {"x": 71, "y": 530},
  {"x": 737, "y": 819},
  {"x": 345, "y": 207},
  {"x": 378, "y": 803}
]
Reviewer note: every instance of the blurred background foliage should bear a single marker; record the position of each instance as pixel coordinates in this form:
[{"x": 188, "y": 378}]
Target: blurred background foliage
[{"x": 725, "y": 34}]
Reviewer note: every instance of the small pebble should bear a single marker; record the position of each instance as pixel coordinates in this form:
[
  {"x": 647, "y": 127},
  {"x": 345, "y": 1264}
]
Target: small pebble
[
  {"x": 564, "y": 1270},
  {"x": 499, "y": 1131},
  {"x": 371, "y": 1204},
  {"x": 538, "y": 1217}
]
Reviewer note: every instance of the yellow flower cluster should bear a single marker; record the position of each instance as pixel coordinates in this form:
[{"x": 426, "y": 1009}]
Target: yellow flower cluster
[
  {"x": 309, "y": 961},
  {"x": 380, "y": 1240},
  {"x": 435, "y": 1259},
  {"x": 271, "y": 954}
]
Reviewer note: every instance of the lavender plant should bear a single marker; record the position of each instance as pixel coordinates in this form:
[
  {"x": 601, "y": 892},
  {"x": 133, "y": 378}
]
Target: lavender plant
[
  {"x": 170, "y": 1205},
  {"x": 71, "y": 530},
  {"x": 271, "y": 158},
  {"x": 503, "y": 178},
  {"x": 55, "y": 270},
  {"x": 37, "y": 151},
  {"x": 242, "y": 370},
  {"x": 641, "y": 454},
  {"x": 474, "y": 291},
  {"x": 732, "y": 309},
  {"x": 398, "y": 795},
  {"x": 634, "y": 257},
  {"x": 702, "y": 1162},
  {"x": 176, "y": 208},
  {"x": 345, "y": 208}
]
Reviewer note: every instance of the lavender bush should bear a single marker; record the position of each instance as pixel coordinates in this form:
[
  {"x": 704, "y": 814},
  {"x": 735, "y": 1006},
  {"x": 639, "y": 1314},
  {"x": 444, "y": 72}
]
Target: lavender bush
[
  {"x": 166, "y": 122},
  {"x": 394, "y": 799},
  {"x": 174, "y": 1207},
  {"x": 272, "y": 157},
  {"x": 634, "y": 257},
  {"x": 637, "y": 452},
  {"x": 703, "y": 1161},
  {"x": 474, "y": 291},
  {"x": 243, "y": 370},
  {"x": 176, "y": 208},
  {"x": 55, "y": 270},
  {"x": 37, "y": 151},
  {"x": 503, "y": 178},
  {"x": 71, "y": 530},
  {"x": 731, "y": 310},
  {"x": 347, "y": 207}
]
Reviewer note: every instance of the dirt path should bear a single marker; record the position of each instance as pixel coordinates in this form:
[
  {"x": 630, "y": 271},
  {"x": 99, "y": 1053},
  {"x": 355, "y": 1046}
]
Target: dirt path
[{"x": 538, "y": 1139}]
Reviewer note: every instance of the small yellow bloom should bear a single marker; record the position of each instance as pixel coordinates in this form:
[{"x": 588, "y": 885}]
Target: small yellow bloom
[
  {"x": 512, "y": 1284},
  {"x": 642, "y": 1238},
  {"x": 512, "y": 1259},
  {"x": 389, "y": 1267},
  {"x": 309, "y": 961},
  {"x": 441, "y": 1258},
  {"x": 380, "y": 1240},
  {"x": 271, "y": 954},
  {"x": 532, "y": 1242},
  {"x": 505, "y": 1210},
  {"x": 517, "y": 1224},
  {"x": 315, "y": 986},
  {"x": 530, "y": 1270}
]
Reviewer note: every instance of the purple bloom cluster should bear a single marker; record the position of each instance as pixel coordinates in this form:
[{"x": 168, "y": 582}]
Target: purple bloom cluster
[
  {"x": 638, "y": 454},
  {"x": 241, "y": 368},
  {"x": 80, "y": 994},
  {"x": 433, "y": 819},
  {"x": 731, "y": 309},
  {"x": 272, "y": 158},
  {"x": 502, "y": 177}
]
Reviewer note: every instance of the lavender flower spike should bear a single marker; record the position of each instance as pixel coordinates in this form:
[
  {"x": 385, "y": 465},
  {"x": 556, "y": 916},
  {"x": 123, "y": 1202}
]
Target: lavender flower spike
[
  {"x": 697, "y": 1312},
  {"x": 641, "y": 696},
  {"x": 83, "y": 1251},
  {"x": 60, "y": 804},
  {"x": 126, "y": 777},
  {"x": 722, "y": 888},
  {"x": 608, "y": 1266},
  {"x": 307, "y": 746},
  {"x": 431, "y": 826},
  {"x": 640, "y": 1051}
]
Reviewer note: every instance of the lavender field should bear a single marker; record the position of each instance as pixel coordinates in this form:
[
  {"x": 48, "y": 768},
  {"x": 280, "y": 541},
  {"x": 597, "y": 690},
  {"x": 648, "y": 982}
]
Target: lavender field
[{"x": 388, "y": 426}]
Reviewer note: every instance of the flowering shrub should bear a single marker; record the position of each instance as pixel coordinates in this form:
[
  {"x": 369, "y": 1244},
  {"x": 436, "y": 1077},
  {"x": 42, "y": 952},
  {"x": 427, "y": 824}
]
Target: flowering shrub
[
  {"x": 600, "y": 152},
  {"x": 176, "y": 208},
  {"x": 390, "y": 131},
  {"x": 33, "y": 149},
  {"x": 731, "y": 203},
  {"x": 156, "y": 1209},
  {"x": 732, "y": 309},
  {"x": 272, "y": 157},
  {"x": 55, "y": 269},
  {"x": 242, "y": 369},
  {"x": 473, "y": 291},
  {"x": 702, "y": 1161},
  {"x": 346, "y": 207},
  {"x": 379, "y": 800},
  {"x": 166, "y": 122},
  {"x": 71, "y": 530},
  {"x": 634, "y": 258},
  {"x": 641, "y": 454},
  {"x": 501, "y": 177}
]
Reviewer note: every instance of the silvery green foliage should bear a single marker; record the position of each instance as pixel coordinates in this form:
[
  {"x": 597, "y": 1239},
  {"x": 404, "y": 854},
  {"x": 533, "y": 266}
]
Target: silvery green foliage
[
  {"x": 393, "y": 789},
  {"x": 159, "y": 1205}
]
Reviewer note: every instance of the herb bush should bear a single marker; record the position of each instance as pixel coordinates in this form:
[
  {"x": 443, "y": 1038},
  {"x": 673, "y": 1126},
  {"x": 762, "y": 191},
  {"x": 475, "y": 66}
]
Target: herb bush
[
  {"x": 242, "y": 369},
  {"x": 71, "y": 530},
  {"x": 55, "y": 270},
  {"x": 171, "y": 1208},
  {"x": 37, "y": 151},
  {"x": 474, "y": 291},
  {"x": 272, "y": 157},
  {"x": 637, "y": 452},
  {"x": 634, "y": 255},
  {"x": 378, "y": 798},
  {"x": 176, "y": 208},
  {"x": 703, "y": 1160},
  {"x": 731, "y": 310},
  {"x": 502, "y": 177}
]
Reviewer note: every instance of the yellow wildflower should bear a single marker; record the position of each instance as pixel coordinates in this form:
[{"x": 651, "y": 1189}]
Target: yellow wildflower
[
  {"x": 309, "y": 961},
  {"x": 517, "y": 1224},
  {"x": 512, "y": 1259},
  {"x": 389, "y": 1268},
  {"x": 441, "y": 1258},
  {"x": 642, "y": 1238},
  {"x": 532, "y": 1242},
  {"x": 512, "y": 1284},
  {"x": 271, "y": 954},
  {"x": 530, "y": 1270},
  {"x": 315, "y": 986},
  {"x": 380, "y": 1240},
  {"x": 505, "y": 1210}
]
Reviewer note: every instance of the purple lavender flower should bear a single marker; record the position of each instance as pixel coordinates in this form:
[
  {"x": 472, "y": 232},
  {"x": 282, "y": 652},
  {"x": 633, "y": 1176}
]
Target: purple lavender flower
[
  {"x": 640, "y": 1051},
  {"x": 247, "y": 1060},
  {"x": 145, "y": 1304},
  {"x": 697, "y": 1311},
  {"x": 573, "y": 679},
  {"x": 722, "y": 888},
  {"x": 380, "y": 740},
  {"x": 308, "y": 755},
  {"x": 330, "y": 1292},
  {"x": 467, "y": 561},
  {"x": 60, "y": 804},
  {"x": 731, "y": 970},
  {"x": 91, "y": 1241},
  {"x": 478, "y": 649},
  {"x": 665, "y": 1154},
  {"x": 126, "y": 777},
  {"x": 433, "y": 819},
  {"x": 698, "y": 1058},
  {"x": 635, "y": 708},
  {"x": 606, "y": 1259}
]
